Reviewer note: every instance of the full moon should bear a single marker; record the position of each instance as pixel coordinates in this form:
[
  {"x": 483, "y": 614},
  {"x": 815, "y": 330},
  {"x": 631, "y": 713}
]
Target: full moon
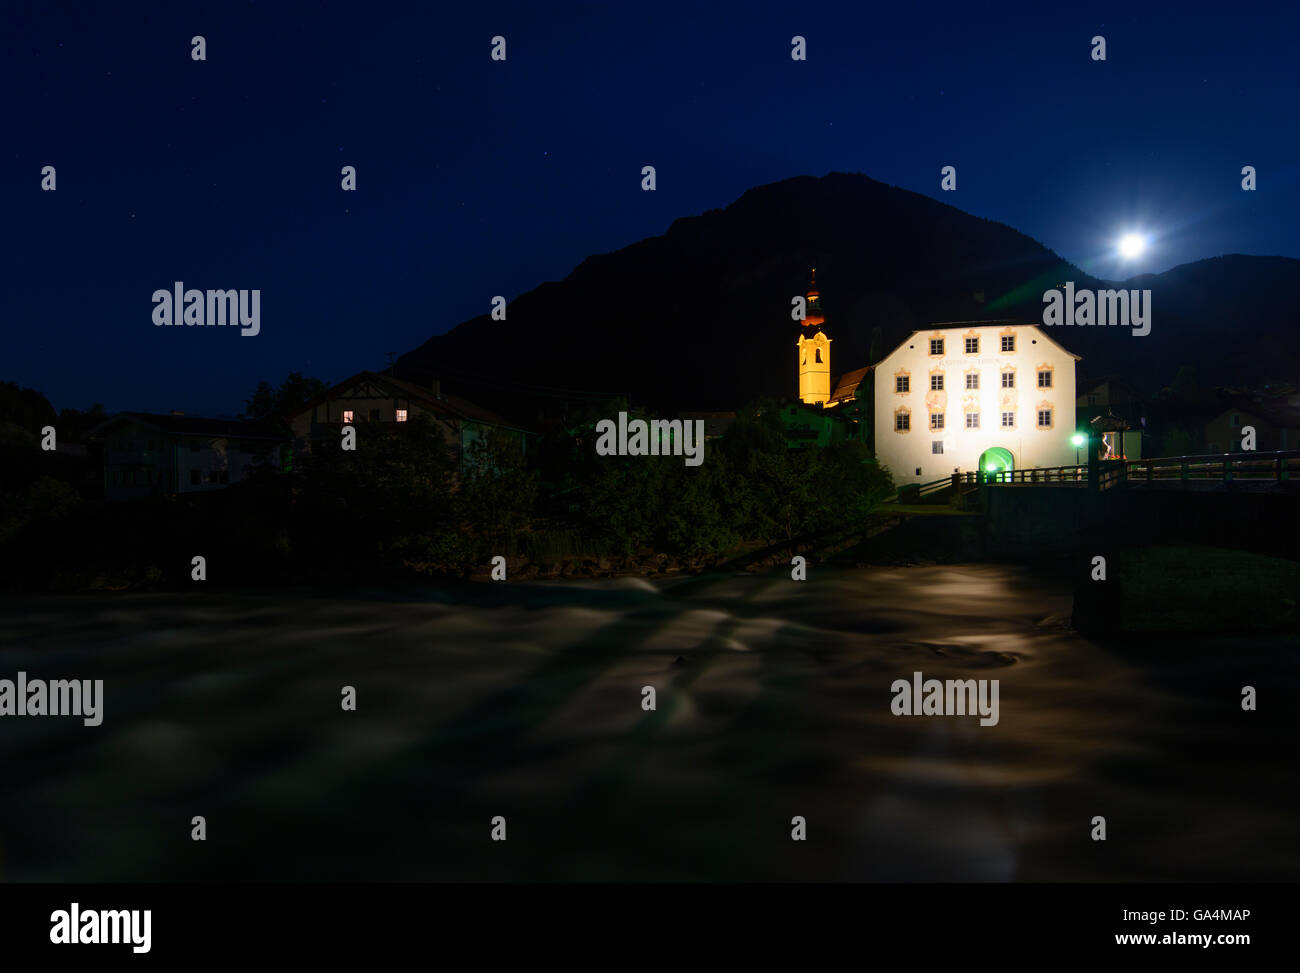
[{"x": 1132, "y": 245}]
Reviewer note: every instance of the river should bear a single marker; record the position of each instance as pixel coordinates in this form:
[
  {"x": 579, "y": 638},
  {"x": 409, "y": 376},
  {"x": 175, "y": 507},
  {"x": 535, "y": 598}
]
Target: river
[{"x": 524, "y": 701}]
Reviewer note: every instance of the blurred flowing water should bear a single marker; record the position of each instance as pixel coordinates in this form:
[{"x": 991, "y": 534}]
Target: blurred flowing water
[{"x": 524, "y": 700}]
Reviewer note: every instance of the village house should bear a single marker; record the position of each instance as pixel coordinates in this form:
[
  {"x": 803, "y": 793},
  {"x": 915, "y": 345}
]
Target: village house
[
  {"x": 371, "y": 397},
  {"x": 148, "y": 454},
  {"x": 964, "y": 396},
  {"x": 1275, "y": 420}
]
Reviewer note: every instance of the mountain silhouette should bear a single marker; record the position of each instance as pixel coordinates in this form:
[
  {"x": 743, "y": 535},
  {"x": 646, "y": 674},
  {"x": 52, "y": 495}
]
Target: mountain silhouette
[{"x": 699, "y": 318}]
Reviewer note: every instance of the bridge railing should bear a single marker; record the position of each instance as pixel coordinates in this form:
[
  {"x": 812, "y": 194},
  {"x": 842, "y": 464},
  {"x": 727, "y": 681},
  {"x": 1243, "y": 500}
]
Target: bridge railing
[
  {"x": 1248, "y": 467},
  {"x": 1275, "y": 466},
  {"x": 920, "y": 492},
  {"x": 1062, "y": 475}
]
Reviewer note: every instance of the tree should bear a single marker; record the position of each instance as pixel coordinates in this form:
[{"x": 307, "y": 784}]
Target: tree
[
  {"x": 388, "y": 501},
  {"x": 294, "y": 392},
  {"x": 498, "y": 490},
  {"x": 262, "y": 403}
]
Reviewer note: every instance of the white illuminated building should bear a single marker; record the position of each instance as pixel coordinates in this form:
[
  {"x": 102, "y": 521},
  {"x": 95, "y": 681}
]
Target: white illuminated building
[{"x": 963, "y": 396}]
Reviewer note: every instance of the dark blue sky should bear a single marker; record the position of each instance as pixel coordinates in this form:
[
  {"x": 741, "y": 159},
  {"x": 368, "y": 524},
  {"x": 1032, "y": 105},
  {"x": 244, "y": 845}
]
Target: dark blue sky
[{"x": 478, "y": 178}]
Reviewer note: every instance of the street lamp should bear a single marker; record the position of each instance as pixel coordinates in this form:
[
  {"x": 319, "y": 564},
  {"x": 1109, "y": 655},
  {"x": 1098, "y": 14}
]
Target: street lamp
[{"x": 1078, "y": 439}]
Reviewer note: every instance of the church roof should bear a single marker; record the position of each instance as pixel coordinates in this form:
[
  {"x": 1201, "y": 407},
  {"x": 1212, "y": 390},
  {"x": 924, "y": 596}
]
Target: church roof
[{"x": 847, "y": 384}]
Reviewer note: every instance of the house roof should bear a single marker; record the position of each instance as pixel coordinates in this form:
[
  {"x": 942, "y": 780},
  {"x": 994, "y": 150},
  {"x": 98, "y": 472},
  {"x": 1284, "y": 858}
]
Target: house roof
[
  {"x": 1277, "y": 414},
  {"x": 442, "y": 403},
  {"x": 183, "y": 425},
  {"x": 979, "y": 326}
]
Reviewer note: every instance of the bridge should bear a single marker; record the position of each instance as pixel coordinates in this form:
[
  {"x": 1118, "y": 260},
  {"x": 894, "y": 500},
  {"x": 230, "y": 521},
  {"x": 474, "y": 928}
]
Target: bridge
[{"x": 1254, "y": 471}]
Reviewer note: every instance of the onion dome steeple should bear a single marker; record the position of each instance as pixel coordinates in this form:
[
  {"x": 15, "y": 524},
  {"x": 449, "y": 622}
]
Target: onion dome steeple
[{"x": 814, "y": 317}]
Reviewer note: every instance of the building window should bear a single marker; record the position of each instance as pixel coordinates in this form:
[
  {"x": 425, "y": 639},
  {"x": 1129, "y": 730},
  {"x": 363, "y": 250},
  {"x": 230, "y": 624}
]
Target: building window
[
  {"x": 972, "y": 420},
  {"x": 401, "y": 415},
  {"x": 347, "y": 416},
  {"x": 196, "y": 478},
  {"x": 972, "y": 346},
  {"x": 936, "y": 346},
  {"x": 1008, "y": 342},
  {"x": 1045, "y": 380},
  {"x": 1044, "y": 418},
  {"x": 936, "y": 383},
  {"x": 973, "y": 381},
  {"x": 374, "y": 415},
  {"x": 936, "y": 447},
  {"x": 936, "y": 420},
  {"x": 902, "y": 383},
  {"x": 1008, "y": 380},
  {"x": 1092, "y": 400},
  {"x": 1008, "y": 420},
  {"x": 902, "y": 422}
]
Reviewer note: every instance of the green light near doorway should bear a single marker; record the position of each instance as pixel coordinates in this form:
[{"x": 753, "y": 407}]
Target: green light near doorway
[
  {"x": 997, "y": 459},
  {"x": 1078, "y": 440}
]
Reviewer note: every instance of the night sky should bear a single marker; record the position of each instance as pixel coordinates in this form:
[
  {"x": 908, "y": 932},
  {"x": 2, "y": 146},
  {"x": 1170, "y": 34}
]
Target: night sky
[{"x": 478, "y": 178}]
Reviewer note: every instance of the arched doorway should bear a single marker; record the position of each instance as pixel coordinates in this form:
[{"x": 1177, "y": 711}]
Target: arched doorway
[{"x": 997, "y": 460}]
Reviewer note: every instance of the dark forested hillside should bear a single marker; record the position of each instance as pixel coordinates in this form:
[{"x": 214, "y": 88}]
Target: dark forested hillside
[{"x": 699, "y": 317}]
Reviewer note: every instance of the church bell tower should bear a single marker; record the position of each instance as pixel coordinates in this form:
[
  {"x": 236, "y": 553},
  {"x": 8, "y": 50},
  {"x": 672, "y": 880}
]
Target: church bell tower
[{"x": 814, "y": 350}]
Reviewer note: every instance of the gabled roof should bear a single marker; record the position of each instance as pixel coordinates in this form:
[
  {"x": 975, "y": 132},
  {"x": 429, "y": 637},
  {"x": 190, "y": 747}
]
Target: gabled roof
[
  {"x": 182, "y": 425},
  {"x": 439, "y": 403},
  {"x": 1280, "y": 415},
  {"x": 978, "y": 326}
]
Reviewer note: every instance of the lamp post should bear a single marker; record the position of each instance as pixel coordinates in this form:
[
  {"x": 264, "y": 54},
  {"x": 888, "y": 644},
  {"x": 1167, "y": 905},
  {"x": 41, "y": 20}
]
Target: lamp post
[{"x": 1078, "y": 439}]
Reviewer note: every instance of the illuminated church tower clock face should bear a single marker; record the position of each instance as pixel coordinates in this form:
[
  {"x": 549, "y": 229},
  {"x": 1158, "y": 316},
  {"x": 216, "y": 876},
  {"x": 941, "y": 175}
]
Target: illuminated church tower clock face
[{"x": 814, "y": 351}]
